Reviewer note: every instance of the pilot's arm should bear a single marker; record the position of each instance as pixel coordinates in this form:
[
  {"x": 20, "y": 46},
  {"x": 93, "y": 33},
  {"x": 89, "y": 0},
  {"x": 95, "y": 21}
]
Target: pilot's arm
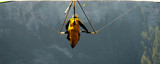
[{"x": 81, "y": 24}]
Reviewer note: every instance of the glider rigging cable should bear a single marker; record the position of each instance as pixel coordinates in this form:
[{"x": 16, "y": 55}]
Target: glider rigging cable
[
  {"x": 48, "y": 26},
  {"x": 66, "y": 16},
  {"x": 118, "y": 17}
]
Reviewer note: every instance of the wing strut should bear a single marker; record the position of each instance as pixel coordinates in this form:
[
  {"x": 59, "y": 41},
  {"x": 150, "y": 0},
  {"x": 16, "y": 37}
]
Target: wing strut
[{"x": 67, "y": 10}]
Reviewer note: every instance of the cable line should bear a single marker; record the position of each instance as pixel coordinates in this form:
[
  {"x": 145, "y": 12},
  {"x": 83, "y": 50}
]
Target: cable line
[
  {"x": 66, "y": 17},
  {"x": 48, "y": 26},
  {"x": 118, "y": 17}
]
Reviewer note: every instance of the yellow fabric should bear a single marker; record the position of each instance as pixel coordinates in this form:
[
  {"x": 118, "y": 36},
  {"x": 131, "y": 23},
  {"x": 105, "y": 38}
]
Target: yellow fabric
[
  {"x": 73, "y": 30},
  {"x": 74, "y": 25}
]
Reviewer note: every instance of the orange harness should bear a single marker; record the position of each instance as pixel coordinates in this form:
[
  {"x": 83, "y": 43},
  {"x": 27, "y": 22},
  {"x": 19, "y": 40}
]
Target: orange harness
[{"x": 73, "y": 30}]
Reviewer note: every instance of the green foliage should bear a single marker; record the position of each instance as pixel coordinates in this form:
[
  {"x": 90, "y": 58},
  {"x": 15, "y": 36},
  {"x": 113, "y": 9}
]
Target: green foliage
[
  {"x": 145, "y": 35},
  {"x": 145, "y": 59},
  {"x": 3, "y": 1},
  {"x": 151, "y": 32},
  {"x": 151, "y": 54}
]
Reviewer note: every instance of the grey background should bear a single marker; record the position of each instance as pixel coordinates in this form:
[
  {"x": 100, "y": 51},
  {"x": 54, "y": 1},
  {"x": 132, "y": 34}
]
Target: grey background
[{"x": 24, "y": 40}]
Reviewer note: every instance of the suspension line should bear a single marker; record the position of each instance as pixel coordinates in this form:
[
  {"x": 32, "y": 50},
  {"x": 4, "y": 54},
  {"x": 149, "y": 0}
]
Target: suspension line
[{"x": 66, "y": 16}]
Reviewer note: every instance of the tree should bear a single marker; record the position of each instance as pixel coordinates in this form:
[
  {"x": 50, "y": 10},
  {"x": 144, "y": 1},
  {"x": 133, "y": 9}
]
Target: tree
[{"x": 151, "y": 44}]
